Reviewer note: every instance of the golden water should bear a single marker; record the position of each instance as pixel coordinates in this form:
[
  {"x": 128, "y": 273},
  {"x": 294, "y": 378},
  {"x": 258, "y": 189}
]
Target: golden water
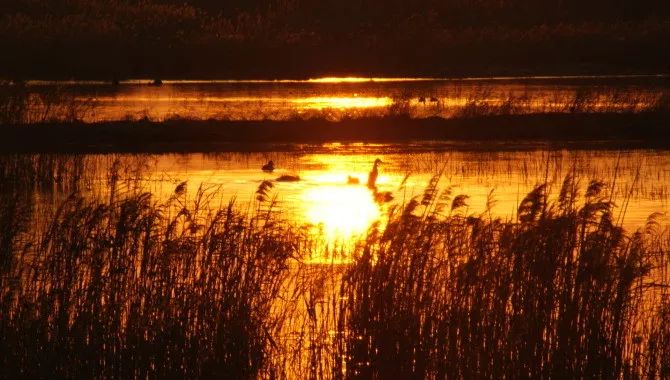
[
  {"x": 336, "y": 98},
  {"x": 323, "y": 201}
]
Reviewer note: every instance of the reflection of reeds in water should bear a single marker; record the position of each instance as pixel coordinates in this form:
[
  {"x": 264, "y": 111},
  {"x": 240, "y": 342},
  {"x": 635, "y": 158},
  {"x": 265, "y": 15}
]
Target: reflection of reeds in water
[
  {"x": 130, "y": 287},
  {"x": 21, "y": 103},
  {"x": 484, "y": 101}
]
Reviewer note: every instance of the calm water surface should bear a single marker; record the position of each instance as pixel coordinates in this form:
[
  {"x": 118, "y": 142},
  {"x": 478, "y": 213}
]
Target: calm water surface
[
  {"x": 325, "y": 202},
  {"x": 322, "y": 199},
  {"x": 336, "y": 98}
]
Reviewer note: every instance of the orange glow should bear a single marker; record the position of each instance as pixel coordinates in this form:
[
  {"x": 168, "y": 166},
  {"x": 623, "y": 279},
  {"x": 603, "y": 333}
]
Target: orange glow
[
  {"x": 344, "y": 212},
  {"x": 341, "y": 80},
  {"x": 342, "y": 102},
  {"x": 362, "y": 80}
]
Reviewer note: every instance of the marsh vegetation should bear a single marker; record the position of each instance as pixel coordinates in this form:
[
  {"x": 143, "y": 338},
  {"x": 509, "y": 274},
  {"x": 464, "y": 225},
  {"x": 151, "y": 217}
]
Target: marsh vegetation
[
  {"x": 514, "y": 221},
  {"x": 37, "y": 102},
  {"x": 214, "y": 116},
  {"x": 130, "y": 284}
]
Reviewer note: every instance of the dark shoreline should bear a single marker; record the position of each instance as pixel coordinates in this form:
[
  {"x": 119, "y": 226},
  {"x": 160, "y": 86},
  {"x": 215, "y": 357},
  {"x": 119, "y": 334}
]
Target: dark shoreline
[{"x": 596, "y": 131}]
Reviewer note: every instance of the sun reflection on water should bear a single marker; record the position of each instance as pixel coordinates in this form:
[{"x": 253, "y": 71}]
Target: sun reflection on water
[
  {"x": 338, "y": 205},
  {"x": 342, "y": 102},
  {"x": 367, "y": 79},
  {"x": 342, "y": 212}
]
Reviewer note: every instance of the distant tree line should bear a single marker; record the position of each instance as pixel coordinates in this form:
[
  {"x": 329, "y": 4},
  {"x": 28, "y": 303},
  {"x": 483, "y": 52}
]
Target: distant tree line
[{"x": 200, "y": 38}]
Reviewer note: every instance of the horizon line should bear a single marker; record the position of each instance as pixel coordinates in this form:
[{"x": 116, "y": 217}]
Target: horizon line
[{"x": 348, "y": 79}]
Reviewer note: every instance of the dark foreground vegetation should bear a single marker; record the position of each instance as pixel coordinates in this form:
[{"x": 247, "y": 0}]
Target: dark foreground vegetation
[
  {"x": 609, "y": 130},
  {"x": 126, "y": 287},
  {"x": 116, "y": 39}
]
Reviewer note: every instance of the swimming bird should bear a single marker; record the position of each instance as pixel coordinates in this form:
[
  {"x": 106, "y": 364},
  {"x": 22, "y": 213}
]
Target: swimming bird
[
  {"x": 353, "y": 180},
  {"x": 157, "y": 82},
  {"x": 269, "y": 167},
  {"x": 288, "y": 178},
  {"x": 372, "y": 177}
]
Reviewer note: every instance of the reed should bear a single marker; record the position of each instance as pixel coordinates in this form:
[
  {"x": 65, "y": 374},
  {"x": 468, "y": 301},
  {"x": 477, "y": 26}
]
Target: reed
[
  {"x": 13, "y": 102},
  {"x": 555, "y": 294},
  {"x": 131, "y": 287},
  {"x": 32, "y": 104}
]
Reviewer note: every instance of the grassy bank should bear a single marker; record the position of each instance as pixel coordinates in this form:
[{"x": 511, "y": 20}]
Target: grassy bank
[
  {"x": 647, "y": 129},
  {"x": 129, "y": 287}
]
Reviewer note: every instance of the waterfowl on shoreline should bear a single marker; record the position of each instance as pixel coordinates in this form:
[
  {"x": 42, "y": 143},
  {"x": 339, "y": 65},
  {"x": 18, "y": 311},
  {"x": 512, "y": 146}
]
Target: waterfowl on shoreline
[
  {"x": 288, "y": 178},
  {"x": 157, "y": 82},
  {"x": 269, "y": 167}
]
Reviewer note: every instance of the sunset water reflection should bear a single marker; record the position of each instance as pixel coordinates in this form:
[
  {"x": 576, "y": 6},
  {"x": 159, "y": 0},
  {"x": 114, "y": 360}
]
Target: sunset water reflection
[
  {"x": 325, "y": 215},
  {"x": 336, "y": 202},
  {"x": 342, "y": 102},
  {"x": 331, "y": 199},
  {"x": 343, "y": 212},
  {"x": 334, "y": 98},
  {"x": 339, "y": 213}
]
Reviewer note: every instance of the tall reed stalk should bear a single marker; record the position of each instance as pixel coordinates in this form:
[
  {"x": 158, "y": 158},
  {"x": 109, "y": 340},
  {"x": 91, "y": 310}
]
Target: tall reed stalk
[
  {"x": 132, "y": 288},
  {"x": 554, "y": 295}
]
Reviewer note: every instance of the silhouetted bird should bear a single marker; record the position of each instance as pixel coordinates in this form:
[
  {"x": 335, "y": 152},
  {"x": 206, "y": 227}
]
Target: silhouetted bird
[
  {"x": 288, "y": 178},
  {"x": 433, "y": 99},
  {"x": 422, "y": 99},
  {"x": 353, "y": 180},
  {"x": 115, "y": 82},
  {"x": 372, "y": 177},
  {"x": 269, "y": 167},
  {"x": 157, "y": 82}
]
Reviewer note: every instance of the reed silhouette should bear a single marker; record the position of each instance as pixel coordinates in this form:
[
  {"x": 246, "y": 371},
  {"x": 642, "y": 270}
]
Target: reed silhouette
[
  {"x": 133, "y": 287},
  {"x": 550, "y": 296},
  {"x": 144, "y": 289}
]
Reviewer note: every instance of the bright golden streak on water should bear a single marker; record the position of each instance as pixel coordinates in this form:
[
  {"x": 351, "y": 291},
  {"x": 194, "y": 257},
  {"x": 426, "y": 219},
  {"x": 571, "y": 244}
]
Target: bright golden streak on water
[
  {"x": 340, "y": 80},
  {"x": 344, "y": 212},
  {"x": 342, "y": 102},
  {"x": 363, "y": 80}
]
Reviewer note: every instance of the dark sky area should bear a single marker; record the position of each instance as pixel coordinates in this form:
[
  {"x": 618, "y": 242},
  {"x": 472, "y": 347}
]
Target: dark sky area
[{"x": 306, "y": 38}]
